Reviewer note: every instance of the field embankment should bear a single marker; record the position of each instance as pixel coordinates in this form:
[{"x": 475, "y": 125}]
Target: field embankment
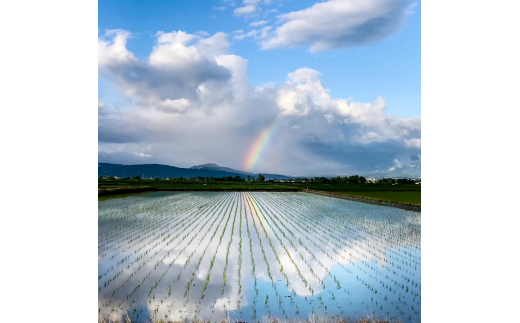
[
  {"x": 120, "y": 192},
  {"x": 366, "y": 199},
  {"x": 403, "y": 196}
]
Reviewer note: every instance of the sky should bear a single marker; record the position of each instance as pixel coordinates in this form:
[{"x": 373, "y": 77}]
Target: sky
[{"x": 299, "y": 88}]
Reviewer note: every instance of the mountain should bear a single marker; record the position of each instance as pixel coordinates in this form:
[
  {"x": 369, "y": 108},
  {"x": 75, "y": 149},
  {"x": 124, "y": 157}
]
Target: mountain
[
  {"x": 164, "y": 171},
  {"x": 211, "y": 166}
]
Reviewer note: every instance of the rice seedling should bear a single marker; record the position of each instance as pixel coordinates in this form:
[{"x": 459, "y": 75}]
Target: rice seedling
[{"x": 154, "y": 251}]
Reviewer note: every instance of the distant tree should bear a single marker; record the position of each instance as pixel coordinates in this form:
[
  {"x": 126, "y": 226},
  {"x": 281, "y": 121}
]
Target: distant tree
[
  {"x": 260, "y": 178},
  {"x": 320, "y": 180},
  {"x": 353, "y": 179},
  {"x": 137, "y": 177},
  {"x": 248, "y": 178},
  {"x": 336, "y": 180}
]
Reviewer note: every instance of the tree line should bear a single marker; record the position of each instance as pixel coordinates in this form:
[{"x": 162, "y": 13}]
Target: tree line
[{"x": 355, "y": 179}]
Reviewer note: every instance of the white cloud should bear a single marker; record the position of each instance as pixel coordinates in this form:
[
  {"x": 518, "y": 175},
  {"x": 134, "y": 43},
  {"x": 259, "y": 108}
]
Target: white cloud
[
  {"x": 245, "y": 10},
  {"x": 252, "y": 33},
  {"x": 114, "y": 50},
  {"x": 256, "y": 34},
  {"x": 190, "y": 103},
  {"x": 397, "y": 163},
  {"x": 414, "y": 142},
  {"x": 258, "y": 23},
  {"x": 174, "y": 78},
  {"x": 338, "y": 23}
]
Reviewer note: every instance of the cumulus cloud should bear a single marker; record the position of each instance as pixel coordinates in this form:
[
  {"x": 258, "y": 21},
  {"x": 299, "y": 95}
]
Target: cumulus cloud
[
  {"x": 338, "y": 23},
  {"x": 180, "y": 70},
  {"x": 191, "y": 103},
  {"x": 245, "y": 10}
]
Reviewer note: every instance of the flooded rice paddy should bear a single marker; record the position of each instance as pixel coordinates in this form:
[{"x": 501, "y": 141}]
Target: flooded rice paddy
[{"x": 256, "y": 257}]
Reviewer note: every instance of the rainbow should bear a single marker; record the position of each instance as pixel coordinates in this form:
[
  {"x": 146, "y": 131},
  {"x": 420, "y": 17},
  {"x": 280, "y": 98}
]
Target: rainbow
[{"x": 259, "y": 147}]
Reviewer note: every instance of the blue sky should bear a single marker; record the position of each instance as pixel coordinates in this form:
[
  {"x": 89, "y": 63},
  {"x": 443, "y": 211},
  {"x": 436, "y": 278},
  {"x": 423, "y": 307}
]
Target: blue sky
[
  {"x": 361, "y": 51},
  {"x": 390, "y": 68}
]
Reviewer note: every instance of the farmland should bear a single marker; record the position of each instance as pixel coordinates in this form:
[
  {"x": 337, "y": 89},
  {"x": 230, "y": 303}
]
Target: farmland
[
  {"x": 256, "y": 256},
  {"x": 405, "y": 194}
]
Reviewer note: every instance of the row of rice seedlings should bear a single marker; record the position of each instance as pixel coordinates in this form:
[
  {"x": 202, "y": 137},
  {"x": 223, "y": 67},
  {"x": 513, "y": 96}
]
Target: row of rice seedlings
[
  {"x": 253, "y": 210},
  {"x": 324, "y": 228},
  {"x": 150, "y": 225},
  {"x": 155, "y": 267},
  {"x": 371, "y": 288},
  {"x": 387, "y": 217},
  {"x": 304, "y": 259},
  {"x": 146, "y": 228},
  {"x": 179, "y": 253},
  {"x": 190, "y": 281},
  {"x": 227, "y": 252},
  {"x": 333, "y": 296},
  {"x": 309, "y": 265},
  {"x": 239, "y": 270},
  {"x": 216, "y": 250},
  {"x": 370, "y": 245},
  {"x": 330, "y": 292},
  {"x": 139, "y": 225},
  {"x": 253, "y": 271},
  {"x": 197, "y": 246},
  {"x": 109, "y": 219},
  {"x": 113, "y": 294},
  {"x": 112, "y": 228},
  {"x": 147, "y": 259},
  {"x": 145, "y": 242},
  {"x": 264, "y": 212},
  {"x": 185, "y": 223},
  {"x": 158, "y": 303}
]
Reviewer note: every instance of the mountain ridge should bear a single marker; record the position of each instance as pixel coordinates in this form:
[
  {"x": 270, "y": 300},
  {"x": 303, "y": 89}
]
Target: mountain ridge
[{"x": 165, "y": 171}]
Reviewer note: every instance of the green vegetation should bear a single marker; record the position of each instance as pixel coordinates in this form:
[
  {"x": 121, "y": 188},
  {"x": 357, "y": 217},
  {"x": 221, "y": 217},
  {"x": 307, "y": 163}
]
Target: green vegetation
[
  {"x": 187, "y": 184},
  {"x": 404, "y": 197},
  {"x": 398, "y": 193},
  {"x": 388, "y": 190}
]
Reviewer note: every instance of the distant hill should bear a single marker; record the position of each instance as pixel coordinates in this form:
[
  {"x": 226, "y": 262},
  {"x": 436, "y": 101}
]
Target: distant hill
[
  {"x": 211, "y": 166},
  {"x": 164, "y": 171},
  {"x": 216, "y": 167}
]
